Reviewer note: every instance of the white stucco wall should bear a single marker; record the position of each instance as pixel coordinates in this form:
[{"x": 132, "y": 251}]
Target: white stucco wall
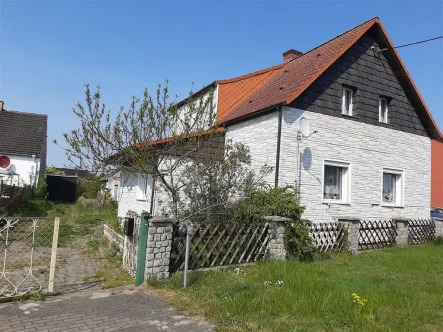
[
  {"x": 366, "y": 147},
  {"x": 260, "y": 136},
  {"x": 113, "y": 185},
  {"x": 26, "y": 167},
  {"x": 131, "y": 195},
  {"x": 206, "y": 120}
]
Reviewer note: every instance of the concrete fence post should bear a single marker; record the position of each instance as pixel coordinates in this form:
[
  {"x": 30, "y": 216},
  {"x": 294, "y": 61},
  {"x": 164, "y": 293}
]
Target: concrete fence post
[
  {"x": 159, "y": 246},
  {"x": 438, "y": 227},
  {"x": 276, "y": 247},
  {"x": 352, "y": 225},
  {"x": 402, "y": 231}
]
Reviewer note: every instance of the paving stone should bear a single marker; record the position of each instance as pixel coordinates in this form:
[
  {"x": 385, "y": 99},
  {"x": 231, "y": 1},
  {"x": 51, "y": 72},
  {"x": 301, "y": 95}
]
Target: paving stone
[{"x": 105, "y": 310}]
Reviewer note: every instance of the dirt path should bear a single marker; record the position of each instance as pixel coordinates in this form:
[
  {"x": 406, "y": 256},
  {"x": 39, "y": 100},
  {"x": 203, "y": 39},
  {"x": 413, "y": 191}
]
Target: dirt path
[{"x": 75, "y": 270}]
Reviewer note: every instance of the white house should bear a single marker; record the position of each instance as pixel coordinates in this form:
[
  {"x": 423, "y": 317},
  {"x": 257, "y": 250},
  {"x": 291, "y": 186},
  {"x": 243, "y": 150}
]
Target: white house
[
  {"x": 23, "y": 138},
  {"x": 367, "y": 154},
  {"x": 111, "y": 184}
]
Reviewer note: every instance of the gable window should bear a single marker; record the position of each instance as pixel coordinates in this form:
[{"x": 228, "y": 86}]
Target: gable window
[
  {"x": 336, "y": 182},
  {"x": 346, "y": 106},
  {"x": 383, "y": 110},
  {"x": 392, "y": 190}
]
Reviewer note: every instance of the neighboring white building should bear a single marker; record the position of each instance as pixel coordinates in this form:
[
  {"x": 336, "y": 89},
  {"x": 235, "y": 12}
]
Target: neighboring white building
[
  {"x": 111, "y": 183},
  {"x": 368, "y": 155},
  {"x": 23, "y": 139}
]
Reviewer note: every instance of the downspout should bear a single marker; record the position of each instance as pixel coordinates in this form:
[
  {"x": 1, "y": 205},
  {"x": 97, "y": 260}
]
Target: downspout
[
  {"x": 277, "y": 158},
  {"x": 152, "y": 196}
]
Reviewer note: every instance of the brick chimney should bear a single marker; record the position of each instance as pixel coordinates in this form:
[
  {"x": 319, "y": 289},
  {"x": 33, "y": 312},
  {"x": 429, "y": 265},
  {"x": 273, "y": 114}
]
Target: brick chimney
[
  {"x": 291, "y": 55},
  {"x": 1, "y": 105}
]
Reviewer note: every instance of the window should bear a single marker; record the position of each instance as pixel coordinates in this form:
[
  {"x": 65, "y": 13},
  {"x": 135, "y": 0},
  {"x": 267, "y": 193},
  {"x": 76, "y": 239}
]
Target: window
[
  {"x": 383, "y": 110},
  {"x": 144, "y": 187},
  {"x": 392, "y": 191},
  {"x": 336, "y": 185},
  {"x": 346, "y": 107}
]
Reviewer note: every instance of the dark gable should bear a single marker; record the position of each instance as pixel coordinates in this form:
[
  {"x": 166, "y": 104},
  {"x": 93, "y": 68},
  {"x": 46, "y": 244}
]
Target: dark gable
[{"x": 23, "y": 134}]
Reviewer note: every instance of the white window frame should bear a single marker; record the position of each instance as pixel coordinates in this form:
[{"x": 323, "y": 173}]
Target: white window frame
[
  {"x": 380, "y": 117},
  {"x": 399, "y": 187},
  {"x": 142, "y": 184},
  {"x": 346, "y": 182},
  {"x": 351, "y": 104}
]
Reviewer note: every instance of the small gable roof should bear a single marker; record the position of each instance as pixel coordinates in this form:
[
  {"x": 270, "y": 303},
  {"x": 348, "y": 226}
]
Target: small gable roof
[
  {"x": 23, "y": 134},
  {"x": 281, "y": 85}
]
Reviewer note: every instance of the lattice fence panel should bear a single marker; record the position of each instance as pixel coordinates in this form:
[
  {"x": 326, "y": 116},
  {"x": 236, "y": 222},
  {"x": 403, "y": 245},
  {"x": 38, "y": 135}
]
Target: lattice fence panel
[
  {"x": 25, "y": 255},
  {"x": 218, "y": 244},
  {"x": 328, "y": 236},
  {"x": 421, "y": 230},
  {"x": 375, "y": 234},
  {"x": 130, "y": 248}
]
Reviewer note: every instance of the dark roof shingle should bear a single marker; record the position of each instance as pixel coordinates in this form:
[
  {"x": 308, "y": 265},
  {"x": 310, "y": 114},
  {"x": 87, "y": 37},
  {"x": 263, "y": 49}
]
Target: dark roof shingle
[
  {"x": 288, "y": 81},
  {"x": 22, "y": 134}
]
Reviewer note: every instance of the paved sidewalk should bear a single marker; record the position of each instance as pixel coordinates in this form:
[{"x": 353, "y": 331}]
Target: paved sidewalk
[
  {"x": 110, "y": 310},
  {"x": 71, "y": 270}
]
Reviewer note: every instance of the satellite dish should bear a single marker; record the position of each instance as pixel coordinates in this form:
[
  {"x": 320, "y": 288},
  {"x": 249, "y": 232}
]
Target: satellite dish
[
  {"x": 305, "y": 127},
  {"x": 4, "y": 161}
]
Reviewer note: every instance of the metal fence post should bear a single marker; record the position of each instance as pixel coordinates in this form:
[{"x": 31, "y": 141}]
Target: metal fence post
[
  {"x": 53, "y": 255},
  {"x": 189, "y": 231},
  {"x": 141, "y": 256}
]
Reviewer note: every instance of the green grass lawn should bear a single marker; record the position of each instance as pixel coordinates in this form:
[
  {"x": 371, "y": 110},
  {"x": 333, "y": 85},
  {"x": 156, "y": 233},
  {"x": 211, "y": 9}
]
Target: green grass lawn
[{"x": 403, "y": 288}]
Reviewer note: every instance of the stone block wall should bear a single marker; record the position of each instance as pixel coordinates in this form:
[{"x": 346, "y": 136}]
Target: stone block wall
[
  {"x": 438, "y": 227},
  {"x": 276, "y": 247},
  {"x": 159, "y": 244}
]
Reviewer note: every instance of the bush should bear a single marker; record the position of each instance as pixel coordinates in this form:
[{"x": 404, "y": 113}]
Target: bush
[
  {"x": 280, "y": 202},
  {"x": 92, "y": 188},
  {"x": 41, "y": 190}
]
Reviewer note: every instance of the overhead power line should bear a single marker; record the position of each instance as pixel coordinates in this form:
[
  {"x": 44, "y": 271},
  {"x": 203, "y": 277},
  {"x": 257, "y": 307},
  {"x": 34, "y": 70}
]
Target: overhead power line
[{"x": 415, "y": 43}]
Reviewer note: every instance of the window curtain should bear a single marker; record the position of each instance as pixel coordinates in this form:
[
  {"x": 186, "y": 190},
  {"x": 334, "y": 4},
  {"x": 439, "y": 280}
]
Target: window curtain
[
  {"x": 333, "y": 182},
  {"x": 389, "y": 182}
]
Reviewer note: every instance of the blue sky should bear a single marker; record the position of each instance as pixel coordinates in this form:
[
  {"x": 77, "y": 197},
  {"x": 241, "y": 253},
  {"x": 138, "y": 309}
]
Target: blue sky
[{"x": 50, "y": 49}]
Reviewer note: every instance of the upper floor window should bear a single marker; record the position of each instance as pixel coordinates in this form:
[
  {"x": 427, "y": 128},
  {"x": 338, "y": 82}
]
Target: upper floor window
[
  {"x": 383, "y": 110},
  {"x": 346, "y": 106}
]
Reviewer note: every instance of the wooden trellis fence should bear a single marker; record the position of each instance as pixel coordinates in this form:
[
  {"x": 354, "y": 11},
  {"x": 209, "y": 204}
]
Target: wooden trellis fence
[
  {"x": 328, "y": 236},
  {"x": 218, "y": 244},
  {"x": 421, "y": 230},
  {"x": 377, "y": 234}
]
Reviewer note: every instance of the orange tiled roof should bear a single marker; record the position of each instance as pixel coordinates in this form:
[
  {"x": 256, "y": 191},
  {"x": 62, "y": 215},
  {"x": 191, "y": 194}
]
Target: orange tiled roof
[
  {"x": 280, "y": 85},
  {"x": 173, "y": 138},
  {"x": 233, "y": 92}
]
